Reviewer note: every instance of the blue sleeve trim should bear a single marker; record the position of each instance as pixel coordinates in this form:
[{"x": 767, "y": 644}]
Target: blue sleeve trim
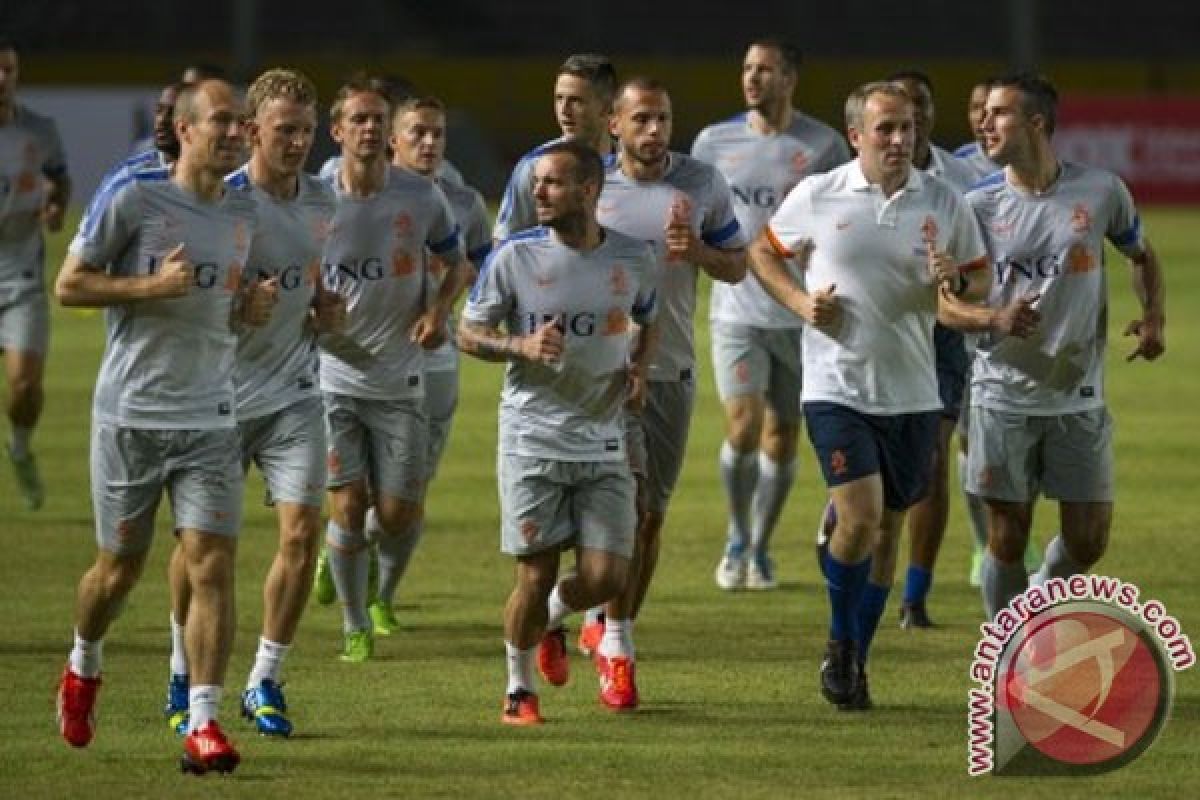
[
  {"x": 447, "y": 244},
  {"x": 1131, "y": 236},
  {"x": 721, "y": 235}
]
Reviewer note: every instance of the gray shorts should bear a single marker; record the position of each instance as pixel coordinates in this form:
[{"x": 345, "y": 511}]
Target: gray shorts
[
  {"x": 657, "y": 438},
  {"x": 131, "y": 467},
  {"x": 554, "y": 504},
  {"x": 758, "y": 361},
  {"x": 441, "y": 399},
  {"x": 383, "y": 441},
  {"x": 25, "y": 324},
  {"x": 1067, "y": 457},
  {"x": 289, "y": 448}
]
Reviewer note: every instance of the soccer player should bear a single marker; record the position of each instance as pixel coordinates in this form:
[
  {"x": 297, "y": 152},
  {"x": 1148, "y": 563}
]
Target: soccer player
[
  {"x": 1039, "y": 423},
  {"x": 973, "y": 154},
  {"x": 279, "y": 412},
  {"x": 556, "y": 304},
  {"x": 161, "y": 145},
  {"x": 387, "y": 223},
  {"x": 877, "y": 238},
  {"x": 927, "y": 518},
  {"x": 419, "y": 145},
  {"x": 683, "y": 208},
  {"x": 762, "y": 153},
  {"x": 34, "y": 191},
  {"x": 163, "y": 417},
  {"x": 583, "y": 98}
]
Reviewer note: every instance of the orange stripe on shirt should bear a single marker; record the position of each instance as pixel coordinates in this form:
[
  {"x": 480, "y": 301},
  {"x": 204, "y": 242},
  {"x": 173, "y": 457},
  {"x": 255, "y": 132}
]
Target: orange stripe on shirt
[
  {"x": 778, "y": 245},
  {"x": 971, "y": 266}
]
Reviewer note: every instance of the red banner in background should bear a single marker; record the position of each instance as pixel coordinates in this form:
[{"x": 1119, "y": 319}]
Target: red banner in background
[{"x": 1153, "y": 143}]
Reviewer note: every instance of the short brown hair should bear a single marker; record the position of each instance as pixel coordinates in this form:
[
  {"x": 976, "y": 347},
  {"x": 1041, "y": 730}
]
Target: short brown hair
[{"x": 358, "y": 83}]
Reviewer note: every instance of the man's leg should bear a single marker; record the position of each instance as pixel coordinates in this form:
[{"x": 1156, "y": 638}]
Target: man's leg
[
  {"x": 179, "y": 681},
  {"x": 24, "y": 369},
  {"x": 349, "y": 562},
  {"x": 1004, "y": 575},
  {"x": 524, "y": 625},
  {"x": 740, "y": 369},
  {"x": 776, "y": 474},
  {"x": 926, "y": 529},
  {"x": 859, "y": 509},
  {"x": 400, "y": 523},
  {"x": 739, "y": 476}
]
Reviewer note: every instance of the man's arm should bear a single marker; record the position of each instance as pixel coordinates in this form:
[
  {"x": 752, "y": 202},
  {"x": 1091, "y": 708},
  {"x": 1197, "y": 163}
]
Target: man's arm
[
  {"x": 428, "y": 331},
  {"x": 1019, "y": 318},
  {"x": 644, "y": 342},
  {"x": 1151, "y": 293},
  {"x": 83, "y": 284},
  {"x": 58, "y": 195},
  {"x": 490, "y": 344},
  {"x": 768, "y": 265}
]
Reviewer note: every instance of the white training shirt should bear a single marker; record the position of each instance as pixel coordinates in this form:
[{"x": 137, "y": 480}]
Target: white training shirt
[{"x": 879, "y": 359}]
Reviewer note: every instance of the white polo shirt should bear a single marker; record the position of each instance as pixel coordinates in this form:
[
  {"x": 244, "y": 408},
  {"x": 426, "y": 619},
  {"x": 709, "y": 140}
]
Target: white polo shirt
[{"x": 879, "y": 358}]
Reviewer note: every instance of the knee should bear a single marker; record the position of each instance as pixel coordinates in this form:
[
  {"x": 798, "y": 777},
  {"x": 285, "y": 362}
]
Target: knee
[
  {"x": 743, "y": 425},
  {"x": 779, "y": 440},
  {"x": 1008, "y": 531},
  {"x": 25, "y": 386},
  {"x": 398, "y": 519},
  {"x": 1089, "y": 547},
  {"x": 211, "y": 569},
  {"x": 298, "y": 544},
  {"x": 118, "y": 575}
]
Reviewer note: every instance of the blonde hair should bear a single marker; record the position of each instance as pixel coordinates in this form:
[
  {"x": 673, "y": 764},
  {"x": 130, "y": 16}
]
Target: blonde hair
[
  {"x": 857, "y": 100},
  {"x": 275, "y": 83}
]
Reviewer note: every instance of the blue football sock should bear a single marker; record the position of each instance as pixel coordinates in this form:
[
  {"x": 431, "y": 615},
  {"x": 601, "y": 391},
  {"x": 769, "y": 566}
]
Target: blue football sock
[
  {"x": 917, "y": 582},
  {"x": 870, "y": 609},
  {"x": 845, "y": 584}
]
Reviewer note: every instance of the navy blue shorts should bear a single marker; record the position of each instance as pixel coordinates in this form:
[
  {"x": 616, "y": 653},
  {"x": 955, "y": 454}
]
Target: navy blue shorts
[
  {"x": 852, "y": 445},
  {"x": 952, "y": 364}
]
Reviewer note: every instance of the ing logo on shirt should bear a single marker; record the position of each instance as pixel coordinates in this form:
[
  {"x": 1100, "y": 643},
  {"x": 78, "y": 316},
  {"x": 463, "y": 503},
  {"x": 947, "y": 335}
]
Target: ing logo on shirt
[{"x": 321, "y": 229}]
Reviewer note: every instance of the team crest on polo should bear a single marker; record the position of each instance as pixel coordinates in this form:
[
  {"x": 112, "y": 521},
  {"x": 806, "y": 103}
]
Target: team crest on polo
[{"x": 1078, "y": 679}]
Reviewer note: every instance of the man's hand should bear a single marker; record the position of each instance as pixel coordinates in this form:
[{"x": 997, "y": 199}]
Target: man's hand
[
  {"x": 1151, "y": 341},
  {"x": 635, "y": 388},
  {"x": 259, "y": 301},
  {"x": 943, "y": 270},
  {"x": 429, "y": 330},
  {"x": 1019, "y": 318},
  {"x": 544, "y": 345},
  {"x": 328, "y": 311},
  {"x": 823, "y": 308},
  {"x": 176, "y": 277}
]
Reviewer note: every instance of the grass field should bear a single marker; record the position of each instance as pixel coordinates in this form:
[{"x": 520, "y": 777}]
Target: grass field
[{"x": 731, "y": 707}]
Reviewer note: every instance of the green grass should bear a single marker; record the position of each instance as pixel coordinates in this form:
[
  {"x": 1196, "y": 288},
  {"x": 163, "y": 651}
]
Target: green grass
[{"x": 729, "y": 682}]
